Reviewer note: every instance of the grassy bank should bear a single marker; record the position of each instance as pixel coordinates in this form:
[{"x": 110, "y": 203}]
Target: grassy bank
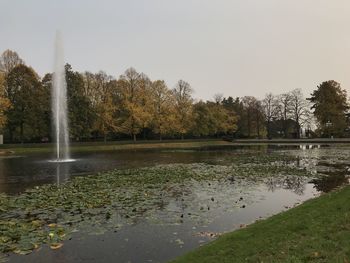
[
  {"x": 113, "y": 146},
  {"x": 316, "y": 231},
  {"x": 154, "y": 144},
  {"x": 294, "y": 141}
]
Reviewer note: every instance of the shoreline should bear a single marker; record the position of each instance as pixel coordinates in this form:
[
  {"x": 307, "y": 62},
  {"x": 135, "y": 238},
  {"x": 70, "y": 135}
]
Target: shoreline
[
  {"x": 10, "y": 149},
  {"x": 315, "y": 231}
]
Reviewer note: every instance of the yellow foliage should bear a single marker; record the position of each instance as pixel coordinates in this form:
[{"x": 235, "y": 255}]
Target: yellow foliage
[{"x": 4, "y": 102}]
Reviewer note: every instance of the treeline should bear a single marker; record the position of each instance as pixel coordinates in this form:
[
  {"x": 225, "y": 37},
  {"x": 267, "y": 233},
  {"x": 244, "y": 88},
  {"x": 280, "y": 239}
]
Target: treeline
[{"x": 133, "y": 106}]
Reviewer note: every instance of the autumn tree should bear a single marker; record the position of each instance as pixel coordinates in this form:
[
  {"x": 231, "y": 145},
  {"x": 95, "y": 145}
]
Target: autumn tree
[
  {"x": 163, "y": 108},
  {"x": 329, "y": 102},
  {"x": 213, "y": 119},
  {"x": 203, "y": 122},
  {"x": 183, "y": 107},
  {"x": 145, "y": 102},
  {"x": 99, "y": 88},
  {"x": 235, "y": 107},
  {"x": 4, "y": 102},
  {"x": 133, "y": 115},
  {"x": 223, "y": 120}
]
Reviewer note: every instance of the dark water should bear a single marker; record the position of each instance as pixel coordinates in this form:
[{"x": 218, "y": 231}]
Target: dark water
[
  {"x": 18, "y": 173},
  {"x": 147, "y": 241}
]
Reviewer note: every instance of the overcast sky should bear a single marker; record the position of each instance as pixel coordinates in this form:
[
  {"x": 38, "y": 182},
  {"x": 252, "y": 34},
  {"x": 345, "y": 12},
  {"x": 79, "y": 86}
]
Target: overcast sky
[{"x": 233, "y": 47}]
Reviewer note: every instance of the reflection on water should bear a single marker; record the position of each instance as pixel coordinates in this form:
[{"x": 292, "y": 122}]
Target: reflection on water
[
  {"x": 62, "y": 173},
  {"x": 22, "y": 172},
  {"x": 309, "y": 146},
  {"x": 293, "y": 183},
  {"x": 333, "y": 180}
]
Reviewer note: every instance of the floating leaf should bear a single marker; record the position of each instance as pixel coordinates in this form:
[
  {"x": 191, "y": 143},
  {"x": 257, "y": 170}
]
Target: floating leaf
[
  {"x": 56, "y": 245},
  {"x": 179, "y": 241}
]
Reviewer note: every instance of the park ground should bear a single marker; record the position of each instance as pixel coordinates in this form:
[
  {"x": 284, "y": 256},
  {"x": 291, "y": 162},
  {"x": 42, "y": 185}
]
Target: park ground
[
  {"x": 113, "y": 146},
  {"x": 316, "y": 231}
]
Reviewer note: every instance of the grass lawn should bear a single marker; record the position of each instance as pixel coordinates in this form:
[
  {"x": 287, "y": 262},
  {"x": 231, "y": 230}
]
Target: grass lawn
[
  {"x": 112, "y": 146},
  {"x": 316, "y": 231}
]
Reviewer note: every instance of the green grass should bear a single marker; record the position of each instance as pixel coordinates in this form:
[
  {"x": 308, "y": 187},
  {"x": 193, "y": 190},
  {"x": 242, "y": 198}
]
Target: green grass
[
  {"x": 112, "y": 146},
  {"x": 316, "y": 231}
]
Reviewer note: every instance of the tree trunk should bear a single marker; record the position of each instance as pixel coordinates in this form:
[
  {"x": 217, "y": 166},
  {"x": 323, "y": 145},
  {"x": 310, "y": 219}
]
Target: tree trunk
[
  {"x": 285, "y": 129},
  {"x": 134, "y": 137},
  {"x": 249, "y": 124},
  {"x": 297, "y": 129},
  {"x": 144, "y": 133},
  {"x": 11, "y": 134},
  {"x": 285, "y": 124},
  {"x": 105, "y": 138},
  {"x": 21, "y": 132}
]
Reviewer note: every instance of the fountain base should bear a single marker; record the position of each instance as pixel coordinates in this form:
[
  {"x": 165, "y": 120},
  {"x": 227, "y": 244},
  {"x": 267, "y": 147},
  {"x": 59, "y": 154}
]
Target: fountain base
[{"x": 62, "y": 161}]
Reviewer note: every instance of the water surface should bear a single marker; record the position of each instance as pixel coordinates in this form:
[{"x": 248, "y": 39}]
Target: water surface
[{"x": 190, "y": 214}]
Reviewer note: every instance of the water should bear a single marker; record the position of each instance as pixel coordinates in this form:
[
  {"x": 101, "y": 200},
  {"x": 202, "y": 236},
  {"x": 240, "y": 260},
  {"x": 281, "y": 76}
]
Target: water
[
  {"x": 156, "y": 238},
  {"x": 59, "y": 103}
]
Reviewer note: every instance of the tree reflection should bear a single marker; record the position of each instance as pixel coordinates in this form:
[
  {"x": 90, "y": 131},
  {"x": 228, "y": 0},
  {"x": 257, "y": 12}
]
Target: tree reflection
[
  {"x": 293, "y": 183},
  {"x": 330, "y": 181}
]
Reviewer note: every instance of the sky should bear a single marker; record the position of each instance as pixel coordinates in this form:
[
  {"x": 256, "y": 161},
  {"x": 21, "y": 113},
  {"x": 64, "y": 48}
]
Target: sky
[{"x": 229, "y": 47}]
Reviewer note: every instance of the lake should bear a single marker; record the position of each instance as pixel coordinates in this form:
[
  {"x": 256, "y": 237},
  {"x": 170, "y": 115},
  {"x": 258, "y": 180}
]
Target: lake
[{"x": 154, "y": 205}]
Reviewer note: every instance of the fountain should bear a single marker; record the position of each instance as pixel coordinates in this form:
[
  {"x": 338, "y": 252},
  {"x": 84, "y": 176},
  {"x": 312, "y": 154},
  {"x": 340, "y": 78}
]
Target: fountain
[{"x": 59, "y": 104}]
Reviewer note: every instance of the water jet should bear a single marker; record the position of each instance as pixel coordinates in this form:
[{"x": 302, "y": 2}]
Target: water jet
[{"x": 59, "y": 104}]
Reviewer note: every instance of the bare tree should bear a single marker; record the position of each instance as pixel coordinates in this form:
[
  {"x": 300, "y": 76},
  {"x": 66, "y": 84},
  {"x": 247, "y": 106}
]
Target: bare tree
[
  {"x": 218, "y": 97},
  {"x": 300, "y": 112},
  {"x": 284, "y": 111},
  {"x": 8, "y": 60},
  {"x": 270, "y": 108}
]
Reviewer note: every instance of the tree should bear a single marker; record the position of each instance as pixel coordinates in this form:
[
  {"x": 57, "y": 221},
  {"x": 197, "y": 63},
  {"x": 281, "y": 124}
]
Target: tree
[
  {"x": 284, "y": 109},
  {"x": 254, "y": 116},
  {"x": 145, "y": 102},
  {"x": 132, "y": 95},
  {"x": 299, "y": 110},
  {"x": 163, "y": 108},
  {"x": 218, "y": 98},
  {"x": 270, "y": 108},
  {"x": 235, "y": 107},
  {"x": 203, "y": 122},
  {"x": 80, "y": 112},
  {"x": 330, "y": 106},
  {"x": 223, "y": 121},
  {"x": 4, "y": 102},
  {"x": 99, "y": 88},
  {"x": 30, "y": 102},
  {"x": 183, "y": 106},
  {"x": 9, "y": 60}
]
